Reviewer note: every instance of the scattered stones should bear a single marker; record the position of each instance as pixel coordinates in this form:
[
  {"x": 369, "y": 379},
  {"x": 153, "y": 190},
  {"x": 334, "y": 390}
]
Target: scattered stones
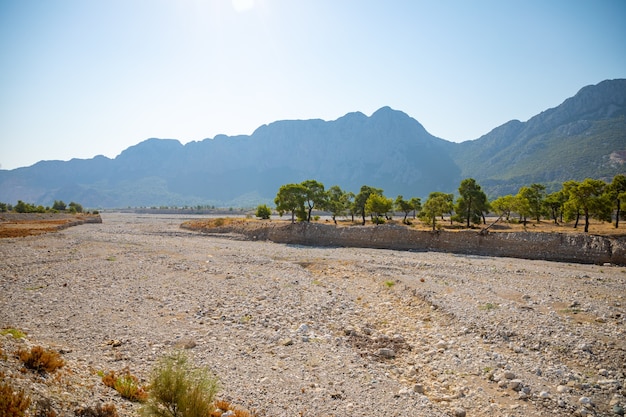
[{"x": 291, "y": 328}]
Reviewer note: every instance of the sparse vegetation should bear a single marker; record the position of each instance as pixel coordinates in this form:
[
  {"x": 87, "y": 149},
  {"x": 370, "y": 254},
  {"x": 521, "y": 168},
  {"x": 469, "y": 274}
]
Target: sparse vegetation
[
  {"x": 177, "y": 389},
  {"x": 126, "y": 384},
  {"x": 40, "y": 360},
  {"x": 222, "y": 407},
  {"x": 13, "y": 403},
  {"x": 16, "y": 333}
]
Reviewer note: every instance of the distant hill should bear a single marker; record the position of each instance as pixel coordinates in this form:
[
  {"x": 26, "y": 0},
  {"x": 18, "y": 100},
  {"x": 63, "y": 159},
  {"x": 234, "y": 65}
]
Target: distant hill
[{"x": 583, "y": 137}]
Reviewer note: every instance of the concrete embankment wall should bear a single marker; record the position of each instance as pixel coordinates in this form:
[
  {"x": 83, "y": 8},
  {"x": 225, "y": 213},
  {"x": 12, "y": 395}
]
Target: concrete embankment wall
[{"x": 562, "y": 247}]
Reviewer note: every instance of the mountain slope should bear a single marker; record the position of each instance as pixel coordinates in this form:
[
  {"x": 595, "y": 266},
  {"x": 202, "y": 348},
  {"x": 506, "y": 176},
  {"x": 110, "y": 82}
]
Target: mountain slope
[
  {"x": 583, "y": 137},
  {"x": 389, "y": 150},
  {"x": 580, "y": 138}
]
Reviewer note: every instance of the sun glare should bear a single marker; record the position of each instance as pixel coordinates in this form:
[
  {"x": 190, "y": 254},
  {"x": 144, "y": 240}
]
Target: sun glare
[{"x": 242, "y": 5}]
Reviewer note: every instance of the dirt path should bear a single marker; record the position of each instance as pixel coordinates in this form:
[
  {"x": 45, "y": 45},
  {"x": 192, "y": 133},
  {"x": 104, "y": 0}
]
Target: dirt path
[{"x": 302, "y": 331}]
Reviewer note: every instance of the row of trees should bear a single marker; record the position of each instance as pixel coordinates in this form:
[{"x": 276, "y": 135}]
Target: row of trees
[
  {"x": 22, "y": 207},
  {"x": 586, "y": 199},
  {"x": 301, "y": 199}
]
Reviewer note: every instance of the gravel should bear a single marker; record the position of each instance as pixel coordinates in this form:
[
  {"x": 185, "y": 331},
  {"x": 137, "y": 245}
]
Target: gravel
[{"x": 305, "y": 331}]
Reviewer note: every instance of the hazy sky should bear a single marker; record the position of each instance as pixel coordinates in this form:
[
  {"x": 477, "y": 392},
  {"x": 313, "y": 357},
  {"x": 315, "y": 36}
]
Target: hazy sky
[{"x": 79, "y": 78}]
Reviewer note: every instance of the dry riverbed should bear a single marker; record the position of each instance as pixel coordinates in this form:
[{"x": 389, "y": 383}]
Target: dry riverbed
[{"x": 304, "y": 331}]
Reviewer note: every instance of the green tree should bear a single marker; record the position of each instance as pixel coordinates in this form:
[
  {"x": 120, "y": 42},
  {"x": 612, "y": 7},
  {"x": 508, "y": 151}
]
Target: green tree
[
  {"x": 553, "y": 204},
  {"x": 315, "y": 196},
  {"x": 378, "y": 206},
  {"x": 571, "y": 207},
  {"x": 337, "y": 202},
  {"x": 75, "y": 207},
  {"x": 436, "y": 205},
  {"x": 590, "y": 199},
  {"x": 534, "y": 194},
  {"x": 522, "y": 205},
  {"x": 472, "y": 202},
  {"x": 263, "y": 211},
  {"x": 290, "y": 198},
  {"x": 59, "y": 205},
  {"x": 503, "y": 206},
  {"x": 616, "y": 192},
  {"x": 416, "y": 202},
  {"x": 3, "y": 207},
  {"x": 22, "y": 207},
  {"x": 404, "y": 206},
  {"x": 361, "y": 199}
]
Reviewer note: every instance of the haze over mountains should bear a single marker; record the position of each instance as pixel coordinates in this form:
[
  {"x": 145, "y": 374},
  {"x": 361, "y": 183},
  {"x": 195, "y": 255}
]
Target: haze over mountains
[{"x": 583, "y": 137}]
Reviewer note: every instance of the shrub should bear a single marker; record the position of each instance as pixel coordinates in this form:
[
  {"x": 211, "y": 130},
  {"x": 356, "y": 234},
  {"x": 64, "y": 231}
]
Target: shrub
[
  {"x": 263, "y": 211},
  {"x": 16, "y": 333},
  {"x": 40, "y": 359},
  {"x": 127, "y": 385},
  {"x": 222, "y": 407},
  {"x": 378, "y": 220},
  {"x": 12, "y": 403},
  {"x": 75, "y": 207},
  {"x": 179, "y": 390}
]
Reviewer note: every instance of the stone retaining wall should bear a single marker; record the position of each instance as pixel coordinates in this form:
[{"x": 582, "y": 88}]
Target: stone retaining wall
[{"x": 562, "y": 247}]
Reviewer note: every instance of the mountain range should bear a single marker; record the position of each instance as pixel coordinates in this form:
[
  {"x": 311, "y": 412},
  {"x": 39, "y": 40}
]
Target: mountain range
[{"x": 583, "y": 137}]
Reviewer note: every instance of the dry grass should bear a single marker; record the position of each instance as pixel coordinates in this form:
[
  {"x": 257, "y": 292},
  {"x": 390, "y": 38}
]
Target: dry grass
[
  {"x": 40, "y": 359},
  {"x": 544, "y": 226},
  {"x": 31, "y": 224},
  {"x": 223, "y": 406},
  {"x": 216, "y": 222},
  {"x": 13, "y": 402},
  {"x": 126, "y": 384}
]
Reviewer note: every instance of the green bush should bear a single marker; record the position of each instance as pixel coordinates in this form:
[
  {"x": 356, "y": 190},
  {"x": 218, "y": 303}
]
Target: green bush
[
  {"x": 179, "y": 390},
  {"x": 263, "y": 211}
]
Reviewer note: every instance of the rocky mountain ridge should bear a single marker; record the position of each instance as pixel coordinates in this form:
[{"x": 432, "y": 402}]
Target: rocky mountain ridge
[{"x": 583, "y": 137}]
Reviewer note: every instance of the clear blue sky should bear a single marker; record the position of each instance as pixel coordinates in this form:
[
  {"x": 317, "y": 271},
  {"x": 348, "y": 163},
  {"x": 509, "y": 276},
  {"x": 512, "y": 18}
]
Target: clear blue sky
[{"x": 79, "y": 78}]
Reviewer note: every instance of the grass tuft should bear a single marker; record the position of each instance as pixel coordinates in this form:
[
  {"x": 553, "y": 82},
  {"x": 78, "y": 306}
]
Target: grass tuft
[
  {"x": 126, "y": 384},
  {"x": 40, "y": 359},
  {"x": 16, "y": 333}
]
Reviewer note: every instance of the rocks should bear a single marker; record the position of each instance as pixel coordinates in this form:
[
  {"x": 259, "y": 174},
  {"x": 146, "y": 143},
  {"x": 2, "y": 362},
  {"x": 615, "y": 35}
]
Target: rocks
[
  {"x": 459, "y": 412},
  {"x": 419, "y": 388},
  {"x": 290, "y": 328},
  {"x": 386, "y": 353}
]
